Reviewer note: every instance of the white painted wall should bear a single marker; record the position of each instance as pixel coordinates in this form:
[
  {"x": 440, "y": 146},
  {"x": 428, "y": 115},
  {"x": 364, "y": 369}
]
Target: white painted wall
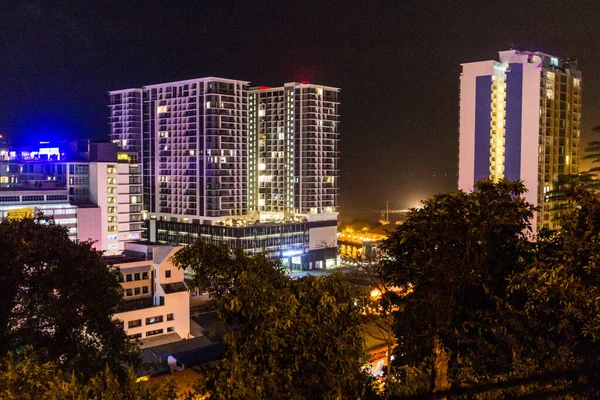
[
  {"x": 319, "y": 238},
  {"x": 88, "y": 225},
  {"x": 177, "y": 304},
  {"x": 466, "y": 152}
]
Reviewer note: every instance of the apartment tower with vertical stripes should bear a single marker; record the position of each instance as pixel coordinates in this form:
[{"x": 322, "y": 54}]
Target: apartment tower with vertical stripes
[{"x": 520, "y": 118}]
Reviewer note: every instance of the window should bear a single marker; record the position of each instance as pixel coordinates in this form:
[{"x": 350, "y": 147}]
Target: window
[
  {"x": 144, "y": 275},
  {"x": 170, "y": 317},
  {"x": 112, "y": 218},
  {"x": 134, "y": 323},
  {"x": 136, "y": 276},
  {"x": 145, "y": 289},
  {"x": 161, "y": 109},
  {"x": 111, "y": 190},
  {"x": 111, "y": 181},
  {"x": 171, "y": 329},
  {"x": 128, "y": 292},
  {"x": 155, "y": 332},
  {"x": 112, "y": 228},
  {"x": 136, "y": 336},
  {"x": 168, "y": 273},
  {"x": 112, "y": 200},
  {"x": 128, "y": 277},
  {"x": 111, "y": 169},
  {"x": 137, "y": 291},
  {"x": 111, "y": 209},
  {"x": 154, "y": 320}
]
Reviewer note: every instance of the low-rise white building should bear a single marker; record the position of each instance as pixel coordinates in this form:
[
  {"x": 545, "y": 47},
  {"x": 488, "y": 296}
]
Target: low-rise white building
[{"x": 156, "y": 298}]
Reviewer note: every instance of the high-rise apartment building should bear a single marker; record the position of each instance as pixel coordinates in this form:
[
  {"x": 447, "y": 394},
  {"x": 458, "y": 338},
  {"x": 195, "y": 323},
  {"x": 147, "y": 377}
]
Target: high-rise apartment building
[
  {"x": 256, "y": 169},
  {"x": 293, "y": 151},
  {"x": 520, "y": 119},
  {"x": 193, "y": 145}
]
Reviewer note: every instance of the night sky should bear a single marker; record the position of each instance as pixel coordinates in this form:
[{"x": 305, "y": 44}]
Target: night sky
[{"x": 397, "y": 63}]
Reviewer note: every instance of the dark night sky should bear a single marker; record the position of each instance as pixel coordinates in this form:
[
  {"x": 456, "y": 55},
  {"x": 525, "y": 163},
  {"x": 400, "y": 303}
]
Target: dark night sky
[{"x": 397, "y": 63}]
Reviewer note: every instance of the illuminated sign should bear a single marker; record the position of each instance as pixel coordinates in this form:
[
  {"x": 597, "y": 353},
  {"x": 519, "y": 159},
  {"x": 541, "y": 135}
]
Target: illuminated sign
[
  {"x": 291, "y": 253},
  {"x": 19, "y": 213}
]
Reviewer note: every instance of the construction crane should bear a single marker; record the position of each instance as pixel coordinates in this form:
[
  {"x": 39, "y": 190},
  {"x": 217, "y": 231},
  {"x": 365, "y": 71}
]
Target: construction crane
[{"x": 385, "y": 214}]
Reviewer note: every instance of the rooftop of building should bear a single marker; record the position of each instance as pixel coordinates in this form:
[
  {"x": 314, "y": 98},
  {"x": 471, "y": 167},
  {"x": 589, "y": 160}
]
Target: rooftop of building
[
  {"x": 293, "y": 84},
  {"x": 125, "y": 257},
  {"x": 183, "y": 82},
  {"x": 190, "y": 352},
  {"x": 43, "y": 188}
]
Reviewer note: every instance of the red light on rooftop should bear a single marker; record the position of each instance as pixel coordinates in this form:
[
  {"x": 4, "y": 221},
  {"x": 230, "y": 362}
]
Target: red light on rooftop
[
  {"x": 264, "y": 87},
  {"x": 305, "y": 83}
]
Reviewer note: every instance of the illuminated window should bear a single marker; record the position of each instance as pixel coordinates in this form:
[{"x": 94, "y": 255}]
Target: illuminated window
[
  {"x": 111, "y": 169},
  {"x": 123, "y": 157},
  {"x": 161, "y": 109},
  {"x": 112, "y": 228},
  {"x": 112, "y": 200},
  {"x": 164, "y": 134},
  {"x": 111, "y": 190},
  {"x": 554, "y": 61},
  {"x": 208, "y": 104},
  {"x": 133, "y": 199},
  {"x": 112, "y": 181},
  {"x": 320, "y": 91},
  {"x": 3, "y": 179},
  {"x": 112, "y": 218}
]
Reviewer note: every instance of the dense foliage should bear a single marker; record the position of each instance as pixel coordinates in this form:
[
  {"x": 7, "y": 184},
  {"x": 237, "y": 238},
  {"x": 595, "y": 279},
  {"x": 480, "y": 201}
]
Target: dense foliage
[
  {"x": 58, "y": 297},
  {"x": 495, "y": 312},
  {"x": 32, "y": 379},
  {"x": 287, "y": 338}
]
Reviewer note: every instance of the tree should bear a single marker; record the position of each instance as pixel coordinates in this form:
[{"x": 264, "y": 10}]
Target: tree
[
  {"x": 593, "y": 152},
  {"x": 286, "y": 338},
  {"x": 58, "y": 297},
  {"x": 31, "y": 379},
  {"x": 457, "y": 252},
  {"x": 558, "y": 296}
]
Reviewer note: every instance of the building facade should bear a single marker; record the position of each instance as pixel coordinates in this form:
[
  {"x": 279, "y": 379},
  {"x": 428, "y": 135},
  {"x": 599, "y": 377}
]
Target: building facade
[
  {"x": 116, "y": 188},
  {"x": 217, "y": 157},
  {"x": 54, "y": 203},
  {"x": 293, "y": 149},
  {"x": 520, "y": 118},
  {"x": 99, "y": 186},
  {"x": 193, "y": 148},
  {"x": 156, "y": 298}
]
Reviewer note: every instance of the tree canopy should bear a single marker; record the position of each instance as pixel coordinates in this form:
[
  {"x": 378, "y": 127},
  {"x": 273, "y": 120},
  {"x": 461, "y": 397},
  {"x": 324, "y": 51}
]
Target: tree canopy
[
  {"x": 58, "y": 298},
  {"x": 286, "y": 338},
  {"x": 29, "y": 378},
  {"x": 456, "y": 252},
  {"x": 494, "y": 311}
]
